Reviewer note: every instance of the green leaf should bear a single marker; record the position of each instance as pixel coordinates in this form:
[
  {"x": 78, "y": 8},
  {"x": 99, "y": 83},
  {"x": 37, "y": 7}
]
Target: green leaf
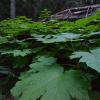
[
  {"x": 64, "y": 37},
  {"x": 43, "y": 63},
  {"x": 56, "y": 38},
  {"x": 52, "y": 84},
  {"x": 22, "y": 53},
  {"x": 92, "y": 58}
]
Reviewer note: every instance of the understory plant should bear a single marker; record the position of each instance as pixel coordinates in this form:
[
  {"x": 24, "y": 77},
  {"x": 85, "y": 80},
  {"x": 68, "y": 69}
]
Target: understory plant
[{"x": 54, "y": 60}]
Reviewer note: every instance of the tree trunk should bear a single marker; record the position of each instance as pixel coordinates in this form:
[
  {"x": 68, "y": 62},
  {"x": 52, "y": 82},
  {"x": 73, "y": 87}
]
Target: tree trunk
[{"x": 12, "y": 8}]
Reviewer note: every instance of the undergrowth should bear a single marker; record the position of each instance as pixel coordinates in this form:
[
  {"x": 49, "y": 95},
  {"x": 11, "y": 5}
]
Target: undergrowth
[{"x": 54, "y": 60}]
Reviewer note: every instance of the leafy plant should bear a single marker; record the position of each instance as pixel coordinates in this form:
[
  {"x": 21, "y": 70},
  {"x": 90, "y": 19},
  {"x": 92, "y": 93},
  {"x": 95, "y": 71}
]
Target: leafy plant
[
  {"x": 44, "y": 13},
  {"x": 90, "y": 58},
  {"x": 56, "y": 85},
  {"x": 54, "y": 60}
]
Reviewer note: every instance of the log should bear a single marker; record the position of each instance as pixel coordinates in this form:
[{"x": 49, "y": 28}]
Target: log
[{"x": 74, "y": 13}]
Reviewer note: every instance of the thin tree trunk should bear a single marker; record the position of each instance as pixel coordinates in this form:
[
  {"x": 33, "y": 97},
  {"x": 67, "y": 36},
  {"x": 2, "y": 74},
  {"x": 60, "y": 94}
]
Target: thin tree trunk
[{"x": 12, "y": 8}]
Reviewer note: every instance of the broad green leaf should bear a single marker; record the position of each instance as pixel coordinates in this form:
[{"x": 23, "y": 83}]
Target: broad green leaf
[
  {"x": 52, "y": 84},
  {"x": 22, "y": 53},
  {"x": 56, "y": 38},
  {"x": 64, "y": 37},
  {"x": 92, "y": 58},
  {"x": 42, "y": 63}
]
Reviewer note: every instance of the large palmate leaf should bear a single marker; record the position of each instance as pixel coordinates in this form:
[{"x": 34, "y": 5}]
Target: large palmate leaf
[
  {"x": 92, "y": 58},
  {"x": 56, "y": 38},
  {"x": 64, "y": 37},
  {"x": 51, "y": 84}
]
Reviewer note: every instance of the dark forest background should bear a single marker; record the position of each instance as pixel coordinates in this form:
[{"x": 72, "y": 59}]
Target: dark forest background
[{"x": 32, "y": 8}]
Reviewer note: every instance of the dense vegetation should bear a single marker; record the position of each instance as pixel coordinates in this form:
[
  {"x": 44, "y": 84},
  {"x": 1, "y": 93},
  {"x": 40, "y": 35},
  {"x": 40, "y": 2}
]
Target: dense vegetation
[{"x": 54, "y": 60}]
